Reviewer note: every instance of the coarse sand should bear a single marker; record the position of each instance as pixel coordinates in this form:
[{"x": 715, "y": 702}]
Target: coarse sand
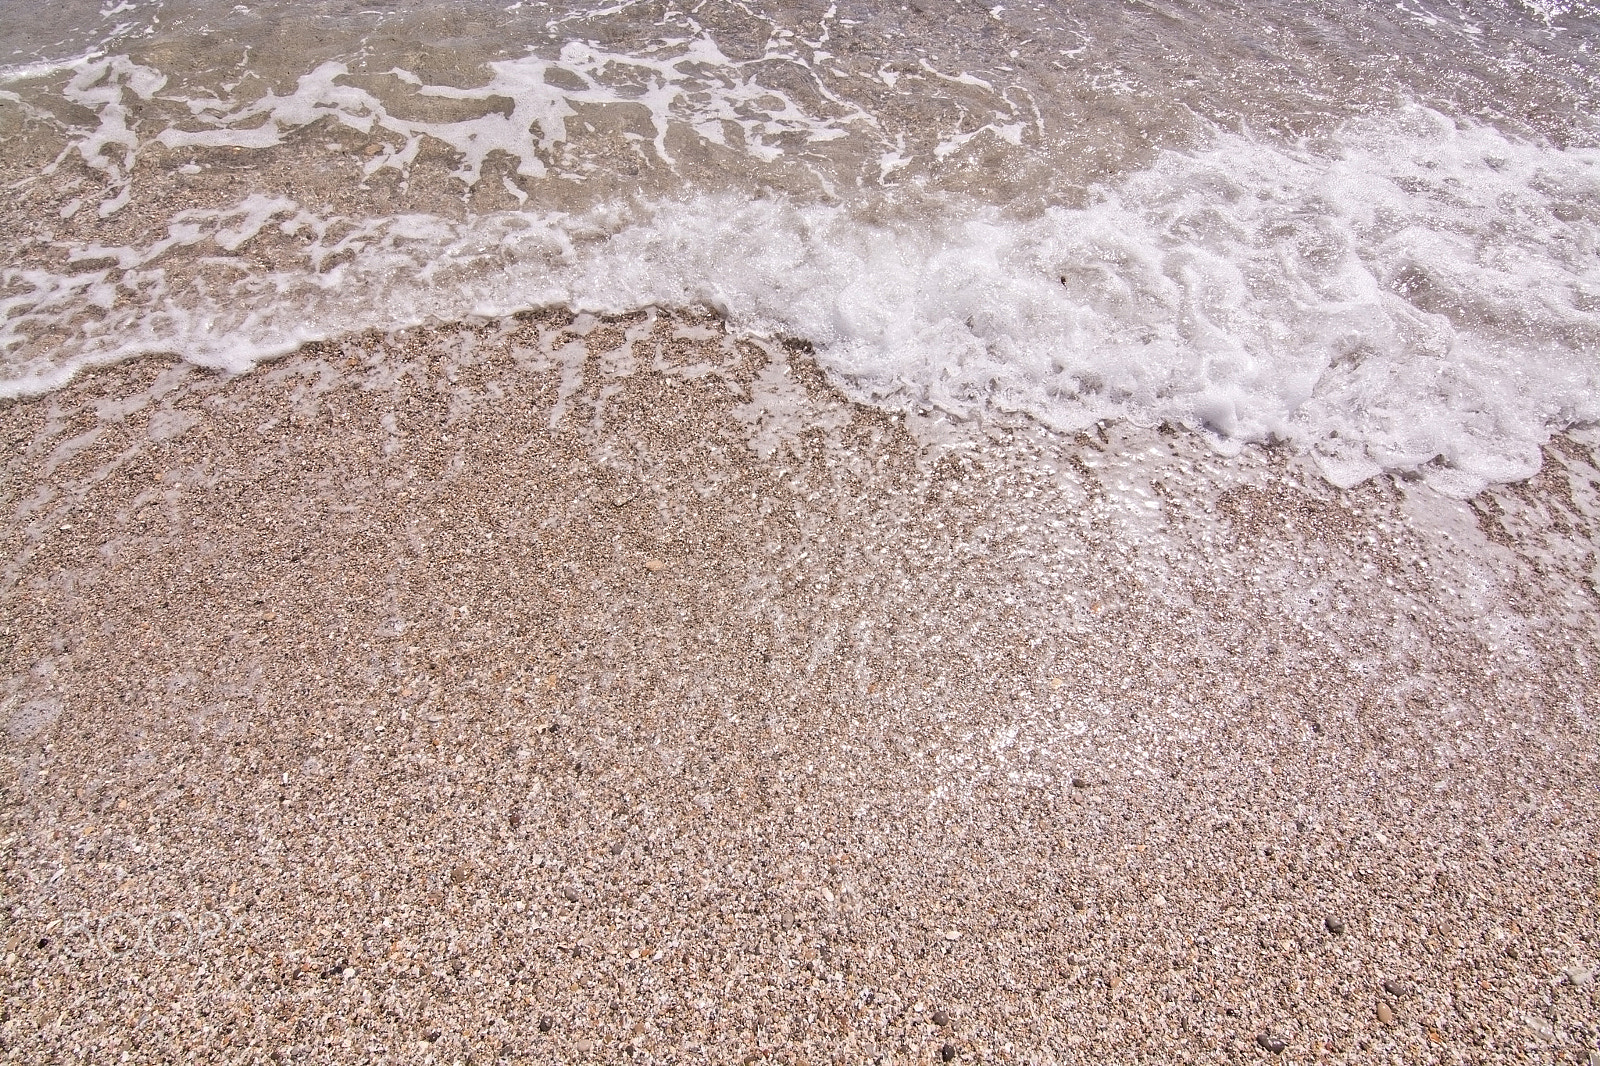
[{"x": 560, "y": 689}]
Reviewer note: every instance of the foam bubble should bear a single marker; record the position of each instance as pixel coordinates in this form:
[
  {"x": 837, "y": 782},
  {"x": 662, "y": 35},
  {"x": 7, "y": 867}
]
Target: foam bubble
[{"x": 1411, "y": 293}]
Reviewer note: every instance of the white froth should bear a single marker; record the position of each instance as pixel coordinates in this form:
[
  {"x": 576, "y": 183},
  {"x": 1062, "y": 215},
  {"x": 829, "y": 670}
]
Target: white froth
[{"x": 1411, "y": 294}]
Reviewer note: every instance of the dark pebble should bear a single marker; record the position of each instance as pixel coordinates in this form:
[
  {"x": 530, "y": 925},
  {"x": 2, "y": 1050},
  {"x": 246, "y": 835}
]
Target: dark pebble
[
  {"x": 1271, "y": 1043},
  {"x": 947, "y": 1052},
  {"x": 571, "y": 895},
  {"x": 1078, "y": 782},
  {"x": 1397, "y": 987},
  {"x": 941, "y": 1019},
  {"x": 459, "y": 874},
  {"x": 546, "y": 1023},
  {"x": 1334, "y": 925},
  {"x": 616, "y": 849}
]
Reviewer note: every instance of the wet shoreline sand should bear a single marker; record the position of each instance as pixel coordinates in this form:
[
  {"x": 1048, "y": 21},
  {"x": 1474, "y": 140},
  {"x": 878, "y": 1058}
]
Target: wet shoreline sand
[{"x": 551, "y": 690}]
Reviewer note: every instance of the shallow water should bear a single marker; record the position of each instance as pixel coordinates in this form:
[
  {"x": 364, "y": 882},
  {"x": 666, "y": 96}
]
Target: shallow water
[{"x": 1367, "y": 230}]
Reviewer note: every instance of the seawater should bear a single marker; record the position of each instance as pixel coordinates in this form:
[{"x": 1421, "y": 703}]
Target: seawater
[{"x": 1369, "y": 230}]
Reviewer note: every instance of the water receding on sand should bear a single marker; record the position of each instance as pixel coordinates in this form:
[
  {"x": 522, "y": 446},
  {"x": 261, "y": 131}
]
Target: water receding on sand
[
  {"x": 1366, "y": 232},
  {"x": 717, "y": 532}
]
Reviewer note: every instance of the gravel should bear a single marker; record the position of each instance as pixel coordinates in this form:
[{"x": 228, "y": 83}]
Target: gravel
[{"x": 331, "y": 739}]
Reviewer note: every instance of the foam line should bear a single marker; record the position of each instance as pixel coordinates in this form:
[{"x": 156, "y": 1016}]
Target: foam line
[{"x": 1411, "y": 294}]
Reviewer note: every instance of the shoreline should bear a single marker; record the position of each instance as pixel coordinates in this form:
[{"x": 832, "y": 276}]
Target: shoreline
[{"x": 627, "y": 678}]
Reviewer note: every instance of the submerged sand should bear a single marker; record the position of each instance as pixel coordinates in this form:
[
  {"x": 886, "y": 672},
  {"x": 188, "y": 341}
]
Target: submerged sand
[{"x": 558, "y": 690}]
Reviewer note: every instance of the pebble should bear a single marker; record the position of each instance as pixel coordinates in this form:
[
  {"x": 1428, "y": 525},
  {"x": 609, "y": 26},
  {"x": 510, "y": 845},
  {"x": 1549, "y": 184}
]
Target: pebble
[
  {"x": 653, "y": 564},
  {"x": 546, "y": 1023},
  {"x": 460, "y": 874},
  {"x": 1539, "y": 1027},
  {"x": 1334, "y": 925},
  {"x": 571, "y": 895},
  {"x": 941, "y": 1019},
  {"x": 1271, "y": 1043},
  {"x": 1396, "y": 987},
  {"x": 947, "y": 1052},
  {"x": 1385, "y": 1013}
]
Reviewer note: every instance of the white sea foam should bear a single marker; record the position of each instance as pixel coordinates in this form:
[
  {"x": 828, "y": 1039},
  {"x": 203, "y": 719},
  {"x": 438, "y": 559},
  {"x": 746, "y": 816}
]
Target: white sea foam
[{"x": 1407, "y": 293}]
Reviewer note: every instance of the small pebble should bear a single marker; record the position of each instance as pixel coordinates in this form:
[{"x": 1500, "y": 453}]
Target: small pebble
[
  {"x": 571, "y": 895},
  {"x": 1334, "y": 925},
  {"x": 1268, "y": 1042},
  {"x": 459, "y": 874},
  {"x": 546, "y": 1023},
  {"x": 941, "y": 1019},
  {"x": 1396, "y": 987},
  {"x": 654, "y": 564},
  {"x": 947, "y": 1052},
  {"x": 1385, "y": 1013}
]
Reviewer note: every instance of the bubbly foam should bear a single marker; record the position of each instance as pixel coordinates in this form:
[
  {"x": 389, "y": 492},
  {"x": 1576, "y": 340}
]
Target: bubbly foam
[
  {"x": 1404, "y": 291},
  {"x": 1415, "y": 294}
]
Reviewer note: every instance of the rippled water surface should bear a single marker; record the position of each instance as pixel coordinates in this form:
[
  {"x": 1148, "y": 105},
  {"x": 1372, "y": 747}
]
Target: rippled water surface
[{"x": 1372, "y": 230}]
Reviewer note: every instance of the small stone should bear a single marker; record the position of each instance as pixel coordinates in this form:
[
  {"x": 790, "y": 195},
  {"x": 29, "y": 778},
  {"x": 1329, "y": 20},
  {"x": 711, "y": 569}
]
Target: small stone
[
  {"x": 1078, "y": 782},
  {"x": 1539, "y": 1027},
  {"x": 941, "y": 1019},
  {"x": 1334, "y": 925},
  {"x": 546, "y": 1023},
  {"x": 571, "y": 895},
  {"x": 1385, "y": 1013},
  {"x": 1397, "y": 988},
  {"x": 1268, "y": 1042},
  {"x": 460, "y": 874},
  {"x": 947, "y": 1052},
  {"x": 653, "y": 565},
  {"x": 515, "y": 818}
]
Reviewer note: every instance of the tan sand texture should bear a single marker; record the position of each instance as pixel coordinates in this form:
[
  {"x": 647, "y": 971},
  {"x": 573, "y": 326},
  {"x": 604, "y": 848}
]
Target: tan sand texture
[{"x": 557, "y": 690}]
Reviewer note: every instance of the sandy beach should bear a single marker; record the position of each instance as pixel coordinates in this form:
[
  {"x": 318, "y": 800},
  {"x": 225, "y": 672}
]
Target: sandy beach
[{"x": 566, "y": 690}]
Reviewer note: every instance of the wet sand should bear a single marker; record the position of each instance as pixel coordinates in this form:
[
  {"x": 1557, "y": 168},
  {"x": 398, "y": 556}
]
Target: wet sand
[{"x": 554, "y": 691}]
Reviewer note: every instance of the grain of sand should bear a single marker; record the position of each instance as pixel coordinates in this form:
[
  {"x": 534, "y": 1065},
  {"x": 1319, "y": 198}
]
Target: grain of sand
[{"x": 555, "y": 690}]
